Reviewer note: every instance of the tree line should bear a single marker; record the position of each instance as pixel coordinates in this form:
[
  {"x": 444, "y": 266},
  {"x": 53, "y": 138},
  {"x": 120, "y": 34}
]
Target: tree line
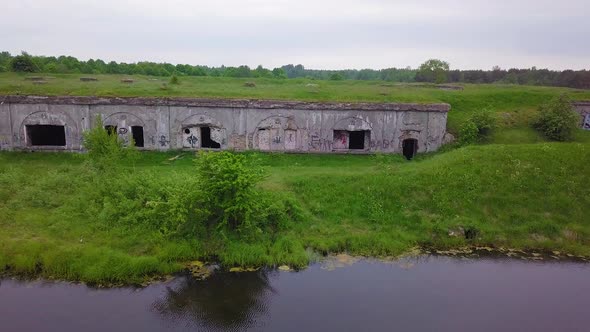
[{"x": 431, "y": 71}]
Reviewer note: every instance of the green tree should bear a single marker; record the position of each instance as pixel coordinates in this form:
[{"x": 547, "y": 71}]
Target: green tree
[
  {"x": 23, "y": 63},
  {"x": 433, "y": 71},
  {"x": 279, "y": 73},
  {"x": 557, "y": 119},
  {"x": 230, "y": 180},
  {"x": 336, "y": 77}
]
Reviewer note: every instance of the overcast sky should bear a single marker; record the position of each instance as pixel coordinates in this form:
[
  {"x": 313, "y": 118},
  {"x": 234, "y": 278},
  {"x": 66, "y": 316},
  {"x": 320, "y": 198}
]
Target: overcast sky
[{"x": 322, "y": 34}]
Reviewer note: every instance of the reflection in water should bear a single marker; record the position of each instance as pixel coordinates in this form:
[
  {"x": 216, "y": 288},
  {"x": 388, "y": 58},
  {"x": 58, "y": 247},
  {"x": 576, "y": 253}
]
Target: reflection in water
[{"x": 225, "y": 301}]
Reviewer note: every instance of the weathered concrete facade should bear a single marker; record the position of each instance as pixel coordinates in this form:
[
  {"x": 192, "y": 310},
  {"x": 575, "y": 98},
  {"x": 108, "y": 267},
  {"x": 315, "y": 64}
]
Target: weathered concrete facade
[
  {"x": 32, "y": 123},
  {"x": 583, "y": 108}
]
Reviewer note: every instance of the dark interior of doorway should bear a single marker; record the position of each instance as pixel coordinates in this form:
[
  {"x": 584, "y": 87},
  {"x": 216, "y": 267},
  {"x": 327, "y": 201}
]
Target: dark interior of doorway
[
  {"x": 410, "y": 147},
  {"x": 46, "y": 135},
  {"x": 356, "y": 140},
  {"x": 206, "y": 141},
  {"x": 137, "y": 133}
]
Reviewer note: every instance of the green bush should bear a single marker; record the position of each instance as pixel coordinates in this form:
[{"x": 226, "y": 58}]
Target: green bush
[
  {"x": 106, "y": 150},
  {"x": 478, "y": 127},
  {"x": 469, "y": 133},
  {"x": 228, "y": 181},
  {"x": 557, "y": 119},
  {"x": 485, "y": 121},
  {"x": 174, "y": 80}
]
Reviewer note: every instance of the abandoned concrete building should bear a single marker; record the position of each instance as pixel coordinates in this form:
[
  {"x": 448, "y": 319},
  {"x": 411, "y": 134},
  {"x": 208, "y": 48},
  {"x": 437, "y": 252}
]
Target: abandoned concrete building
[
  {"x": 583, "y": 108},
  {"x": 57, "y": 123}
]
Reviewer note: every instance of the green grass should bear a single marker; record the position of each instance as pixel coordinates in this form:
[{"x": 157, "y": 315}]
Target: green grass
[
  {"x": 515, "y": 104},
  {"x": 527, "y": 196}
]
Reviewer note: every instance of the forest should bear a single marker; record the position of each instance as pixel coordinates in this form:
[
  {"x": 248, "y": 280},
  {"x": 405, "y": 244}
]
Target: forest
[{"x": 25, "y": 62}]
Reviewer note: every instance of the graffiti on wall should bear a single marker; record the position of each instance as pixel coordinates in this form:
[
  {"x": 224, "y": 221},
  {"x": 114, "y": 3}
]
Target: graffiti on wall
[{"x": 163, "y": 141}]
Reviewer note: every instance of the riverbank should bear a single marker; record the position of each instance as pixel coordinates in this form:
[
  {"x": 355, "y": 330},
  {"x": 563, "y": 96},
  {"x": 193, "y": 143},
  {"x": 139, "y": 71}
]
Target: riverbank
[{"x": 511, "y": 196}]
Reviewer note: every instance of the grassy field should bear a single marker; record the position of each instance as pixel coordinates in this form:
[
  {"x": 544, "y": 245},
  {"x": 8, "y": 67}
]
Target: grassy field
[
  {"x": 531, "y": 196},
  {"x": 515, "y": 104}
]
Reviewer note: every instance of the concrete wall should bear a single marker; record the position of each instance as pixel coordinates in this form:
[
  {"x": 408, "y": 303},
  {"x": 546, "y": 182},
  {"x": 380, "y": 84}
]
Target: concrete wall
[
  {"x": 230, "y": 124},
  {"x": 583, "y": 108}
]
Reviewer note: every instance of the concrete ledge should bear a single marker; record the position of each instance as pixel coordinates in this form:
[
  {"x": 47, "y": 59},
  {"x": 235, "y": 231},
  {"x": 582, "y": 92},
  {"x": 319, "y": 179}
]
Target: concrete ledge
[{"x": 224, "y": 103}]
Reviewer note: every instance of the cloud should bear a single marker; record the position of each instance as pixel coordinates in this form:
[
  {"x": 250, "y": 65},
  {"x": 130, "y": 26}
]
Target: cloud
[{"x": 321, "y": 34}]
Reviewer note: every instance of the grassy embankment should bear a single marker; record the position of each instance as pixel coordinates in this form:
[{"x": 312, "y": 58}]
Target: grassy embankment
[
  {"x": 519, "y": 196},
  {"x": 514, "y": 195}
]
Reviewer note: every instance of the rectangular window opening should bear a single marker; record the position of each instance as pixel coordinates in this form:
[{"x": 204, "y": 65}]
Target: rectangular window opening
[
  {"x": 356, "y": 140},
  {"x": 46, "y": 135},
  {"x": 206, "y": 141},
  {"x": 137, "y": 133}
]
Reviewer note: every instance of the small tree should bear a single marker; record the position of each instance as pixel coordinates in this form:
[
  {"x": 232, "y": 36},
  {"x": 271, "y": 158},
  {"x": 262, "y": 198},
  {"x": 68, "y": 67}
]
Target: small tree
[
  {"x": 106, "y": 149},
  {"x": 485, "y": 121},
  {"x": 228, "y": 181},
  {"x": 557, "y": 119},
  {"x": 23, "y": 63},
  {"x": 478, "y": 127},
  {"x": 433, "y": 71},
  {"x": 174, "y": 80}
]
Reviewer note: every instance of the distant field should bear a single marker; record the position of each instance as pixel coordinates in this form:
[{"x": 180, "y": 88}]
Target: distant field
[{"x": 515, "y": 104}]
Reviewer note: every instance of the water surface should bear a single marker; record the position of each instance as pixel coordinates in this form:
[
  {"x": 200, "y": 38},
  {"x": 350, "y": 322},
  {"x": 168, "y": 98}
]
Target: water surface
[{"x": 419, "y": 294}]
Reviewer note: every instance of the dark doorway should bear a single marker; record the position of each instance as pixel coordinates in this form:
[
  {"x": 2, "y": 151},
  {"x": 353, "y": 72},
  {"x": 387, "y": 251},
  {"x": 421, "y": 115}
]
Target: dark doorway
[
  {"x": 46, "y": 135},
  {"x": 137, "y": 133},
  {"x": 356, "y": 140},
  {"x": 206, "y": 141},
  {"x": 410, "y": 147},
  {"x": 112, "y": 130}
]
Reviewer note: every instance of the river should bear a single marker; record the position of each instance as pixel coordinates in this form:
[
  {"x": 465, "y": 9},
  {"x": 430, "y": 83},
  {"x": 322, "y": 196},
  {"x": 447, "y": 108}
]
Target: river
[{"x": 425, "y": 293}]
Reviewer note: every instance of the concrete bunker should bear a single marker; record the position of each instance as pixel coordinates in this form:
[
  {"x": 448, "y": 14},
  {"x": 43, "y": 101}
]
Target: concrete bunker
[
  {"x": 351, "y": 140},
  {"x": 352, "y": 133},
  {"x": 277, "y": 133},
  {"x": 189, "y": 123},
  {"x": 201, "y": 131},
  {"x": 202, "y": 137},
  {"x": 46, "y": 135},
  {"x": 136, "y": 134},
  {"x": 127, "y": 126}
]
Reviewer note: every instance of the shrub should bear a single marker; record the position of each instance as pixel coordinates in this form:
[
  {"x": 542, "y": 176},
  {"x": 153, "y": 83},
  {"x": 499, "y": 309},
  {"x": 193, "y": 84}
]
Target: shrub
[
  {"x": 557, "y": 119},
  {"x": 469, "y": 133},
  {"x": 106, "y": 150},
  {"x": 485, "y": 121},
  {"x": 228, "y": 182},
  {"x": 174, "y": 80},
  {"x": 478, "y": 127}
]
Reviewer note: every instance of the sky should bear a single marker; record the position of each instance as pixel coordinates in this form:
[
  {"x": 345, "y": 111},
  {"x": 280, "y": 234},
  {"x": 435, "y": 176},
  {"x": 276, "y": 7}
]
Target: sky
[{"x": 320, "y": 34}]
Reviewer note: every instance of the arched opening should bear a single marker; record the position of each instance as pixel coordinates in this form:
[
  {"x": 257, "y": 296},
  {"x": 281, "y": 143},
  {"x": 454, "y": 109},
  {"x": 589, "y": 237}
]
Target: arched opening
[{"x": 410, "y": 147}]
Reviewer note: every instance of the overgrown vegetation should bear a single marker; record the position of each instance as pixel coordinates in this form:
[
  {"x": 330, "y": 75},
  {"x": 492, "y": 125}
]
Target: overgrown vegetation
[
  {"x": 557, "y": 119},
  {"x": 478, "y": 127},
  {"x": 156, "y": 214}
]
